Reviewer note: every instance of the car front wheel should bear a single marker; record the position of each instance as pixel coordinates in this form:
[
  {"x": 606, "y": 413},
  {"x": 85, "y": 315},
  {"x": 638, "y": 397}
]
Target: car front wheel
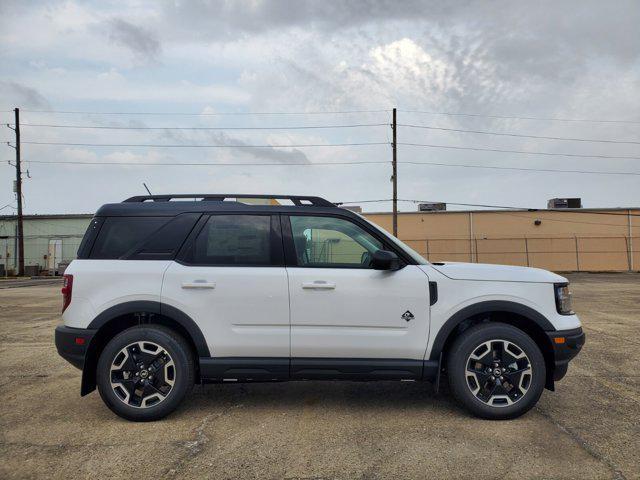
[
  {"x": 145, "y": 372},
  {"x": 496, "y": 371}
]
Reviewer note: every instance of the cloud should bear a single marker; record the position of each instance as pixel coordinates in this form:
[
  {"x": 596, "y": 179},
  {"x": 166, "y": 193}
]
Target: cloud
[
  {"x": 142, "y": 42},
  {"x": 23, "y": 96},
  {"x": 241, "y": 151},
  {"x": 573, "y": 59}
]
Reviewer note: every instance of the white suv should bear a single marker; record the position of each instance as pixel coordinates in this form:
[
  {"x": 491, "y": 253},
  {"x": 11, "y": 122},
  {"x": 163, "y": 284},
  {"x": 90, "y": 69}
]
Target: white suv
[{"x": 168, "y": 293}]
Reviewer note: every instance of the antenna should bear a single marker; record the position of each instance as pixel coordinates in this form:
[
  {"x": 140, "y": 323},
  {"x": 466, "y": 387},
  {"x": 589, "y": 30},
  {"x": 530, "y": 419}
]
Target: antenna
[{"x": 147, "y": 188}]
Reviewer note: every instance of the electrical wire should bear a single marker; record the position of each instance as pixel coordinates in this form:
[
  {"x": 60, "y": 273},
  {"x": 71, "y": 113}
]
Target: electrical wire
[
  {"x": 517, "y": 117},
  {"x": 212, "y": 114},
  {"x": 300, "y": 145},
  {"x": 499, "y": 150},
  {"x": 336, "y": 112},
  {"x": 187, "y": 164},
  {"x": 589, "y": 172},
  {"x": 429, "y": 201},
  {"x": 528, "y": 209},
  {"x": 542, "y": 137},
  {"x": 543, "y": 170},
  {"x": 108, "y": 127},
  {"x": 306, "y": 145}
]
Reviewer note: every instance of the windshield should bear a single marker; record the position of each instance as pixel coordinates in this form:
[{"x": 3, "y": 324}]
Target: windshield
[{"x": 419, "y": 259}]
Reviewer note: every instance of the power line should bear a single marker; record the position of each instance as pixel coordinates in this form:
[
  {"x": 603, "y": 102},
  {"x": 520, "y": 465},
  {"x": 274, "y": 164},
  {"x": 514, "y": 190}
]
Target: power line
[
  {"x": 335, "y": 112},
  {"x": 107, "y": 127},
  {"x": 429, "y": 201},
  {"x": 484, "y": 132},
  {"x": 543, "y": 170},
  {"x": 528, "y": 209},
  {"x": 518, "y": 168},
  {"x": 510, "y": 117},
  {"x": 300, "y": 145},
  {"x": 181, "y": 164},
  {"x": 212, "y": 114},
  {"x": 304, "y": 145},
  {"x": 479, "y": 149}
]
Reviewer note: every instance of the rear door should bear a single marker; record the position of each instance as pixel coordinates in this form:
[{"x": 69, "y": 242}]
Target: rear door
[
  {"x": 230, "y": 279},
  {"x": 341, "y": 307}
]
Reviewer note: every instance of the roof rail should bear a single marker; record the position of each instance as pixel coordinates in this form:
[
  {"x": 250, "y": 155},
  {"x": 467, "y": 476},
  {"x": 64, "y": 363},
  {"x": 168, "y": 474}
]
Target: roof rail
[{"x": 300, "y": 201}]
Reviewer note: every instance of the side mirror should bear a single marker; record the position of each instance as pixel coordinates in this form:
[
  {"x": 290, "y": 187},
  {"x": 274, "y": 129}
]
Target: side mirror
[{"x": 385, "y": 260}]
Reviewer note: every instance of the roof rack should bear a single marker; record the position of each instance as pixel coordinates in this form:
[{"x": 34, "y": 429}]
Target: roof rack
[{"x": 300, "y": 201}]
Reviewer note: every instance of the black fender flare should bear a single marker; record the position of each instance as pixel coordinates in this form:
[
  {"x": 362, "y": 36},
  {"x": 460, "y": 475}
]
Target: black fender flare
[
  {"x": 139, "y": 306},
  {"x": 127, "y": 308},
  {"x": 486, "y": 307}
]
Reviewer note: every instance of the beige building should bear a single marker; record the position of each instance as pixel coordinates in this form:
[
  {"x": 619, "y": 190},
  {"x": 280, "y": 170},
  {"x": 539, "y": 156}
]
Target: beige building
[{"x": 565, "y": 240}]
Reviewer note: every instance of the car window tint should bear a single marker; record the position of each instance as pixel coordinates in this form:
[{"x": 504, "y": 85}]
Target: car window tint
[
  {"x": 329, "y": 241},
  {"x": 233, "y": 240},
  {"x": 118, "y": 235}
]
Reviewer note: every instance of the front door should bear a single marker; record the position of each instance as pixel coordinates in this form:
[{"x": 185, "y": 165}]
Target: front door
[
  {"x": 54, "y": 255},
  {"x": 341, "y": 308},
  {"x": 232, "y": 282}
]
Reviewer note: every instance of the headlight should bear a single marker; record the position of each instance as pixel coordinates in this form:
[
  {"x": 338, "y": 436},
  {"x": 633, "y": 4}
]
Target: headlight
[{"x": 563, "y": 299}]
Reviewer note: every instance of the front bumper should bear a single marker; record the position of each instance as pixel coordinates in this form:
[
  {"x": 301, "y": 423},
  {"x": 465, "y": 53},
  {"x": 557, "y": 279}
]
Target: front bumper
[
  {"x": 73, "y": 343},
  {"x": 566, "y": 345}
]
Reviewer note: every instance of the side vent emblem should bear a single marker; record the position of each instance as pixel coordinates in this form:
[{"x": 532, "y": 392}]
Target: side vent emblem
[{"x": 408, "y": 316}]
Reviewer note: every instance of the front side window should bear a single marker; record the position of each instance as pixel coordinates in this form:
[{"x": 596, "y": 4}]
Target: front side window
[
  {"x": 232, "y": 240},
  {"x": 332, "y": 242}
]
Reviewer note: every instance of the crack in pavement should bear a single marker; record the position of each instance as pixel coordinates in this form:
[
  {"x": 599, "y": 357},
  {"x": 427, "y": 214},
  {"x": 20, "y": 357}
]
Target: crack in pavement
[
  {"x": 617, "y": 473},
  {"x": 194, "y": 447},
  {"x": 56, "y": 446}
]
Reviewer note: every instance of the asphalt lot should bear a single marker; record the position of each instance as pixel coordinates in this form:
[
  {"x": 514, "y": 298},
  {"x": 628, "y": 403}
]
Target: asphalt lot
[{"x": 588, "y": 428}]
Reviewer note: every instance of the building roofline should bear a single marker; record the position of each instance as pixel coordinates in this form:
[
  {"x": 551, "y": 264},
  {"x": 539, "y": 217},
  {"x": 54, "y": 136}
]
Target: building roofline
[
  {"x": 503, "y": 210},
  {"x": 48, "y": 216}
]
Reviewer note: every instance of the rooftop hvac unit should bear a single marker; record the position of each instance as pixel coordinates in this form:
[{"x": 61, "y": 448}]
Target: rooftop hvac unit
[
  {"x": 564, "y": 203},
  {"x": 432, "y": 207}
]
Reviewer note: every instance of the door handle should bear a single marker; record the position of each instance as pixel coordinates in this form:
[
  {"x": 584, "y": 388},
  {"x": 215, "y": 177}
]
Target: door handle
[
  {"x": 199, "y": 284},
  {"x": 319, "y": 285}
]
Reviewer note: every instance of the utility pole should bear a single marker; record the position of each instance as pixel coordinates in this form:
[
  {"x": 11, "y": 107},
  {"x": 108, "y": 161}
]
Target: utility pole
[
  {"x": 18, "y": 190},
  {"x": 394, "y": 177}
]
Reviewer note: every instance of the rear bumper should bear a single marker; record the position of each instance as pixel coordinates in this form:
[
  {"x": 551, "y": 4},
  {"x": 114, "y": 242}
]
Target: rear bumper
[
  {"x": 72, "y": 344},
  {"x": 566, "y": 345}
]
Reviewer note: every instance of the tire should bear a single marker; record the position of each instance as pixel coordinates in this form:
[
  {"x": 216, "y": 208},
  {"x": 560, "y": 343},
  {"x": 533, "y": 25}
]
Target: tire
[
  {"x": 513, "y": 391},
  {"x": 145, "y": 372}
]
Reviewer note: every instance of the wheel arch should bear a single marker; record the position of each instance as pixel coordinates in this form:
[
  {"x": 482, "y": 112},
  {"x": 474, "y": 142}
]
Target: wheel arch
[
  {"x": 125, "y": 315},
  {"x": 532, "y": 322}
]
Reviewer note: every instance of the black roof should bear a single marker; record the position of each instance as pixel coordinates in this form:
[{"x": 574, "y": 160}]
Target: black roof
[{"x": 162, "y": 205}]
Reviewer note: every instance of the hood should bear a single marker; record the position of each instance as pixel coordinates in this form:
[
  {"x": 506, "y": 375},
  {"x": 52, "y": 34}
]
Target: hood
[{"x": 497, "y": 273}]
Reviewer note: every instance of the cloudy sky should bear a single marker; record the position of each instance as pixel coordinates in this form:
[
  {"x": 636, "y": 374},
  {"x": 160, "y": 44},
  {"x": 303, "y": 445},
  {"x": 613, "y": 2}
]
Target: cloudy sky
[{"x": 480, "y": 66}]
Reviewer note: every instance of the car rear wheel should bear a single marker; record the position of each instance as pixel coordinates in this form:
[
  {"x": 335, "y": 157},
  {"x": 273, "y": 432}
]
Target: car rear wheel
[
  {"x": 496, "y": 371},
  {"x": 145, "y": 372}
]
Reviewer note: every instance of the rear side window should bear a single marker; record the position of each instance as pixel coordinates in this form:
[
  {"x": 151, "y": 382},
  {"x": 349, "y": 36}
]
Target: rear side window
[
  {"x": 233, "y": 240},
  {"x": 119, "y": 235},
  {"x": 164, "y": 243}
]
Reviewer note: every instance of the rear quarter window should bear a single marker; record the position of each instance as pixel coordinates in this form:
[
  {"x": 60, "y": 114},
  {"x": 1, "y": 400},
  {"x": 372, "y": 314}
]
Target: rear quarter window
[{"x": 119, "y": 235}]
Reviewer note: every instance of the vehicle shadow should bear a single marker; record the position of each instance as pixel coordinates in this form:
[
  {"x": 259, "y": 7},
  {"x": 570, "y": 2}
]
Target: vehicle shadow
[{"x": 356, "y": 396}]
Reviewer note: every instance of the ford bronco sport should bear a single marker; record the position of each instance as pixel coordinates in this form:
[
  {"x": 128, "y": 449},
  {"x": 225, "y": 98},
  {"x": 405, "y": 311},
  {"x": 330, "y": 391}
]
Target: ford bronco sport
[{"x": 215, "y": 288}]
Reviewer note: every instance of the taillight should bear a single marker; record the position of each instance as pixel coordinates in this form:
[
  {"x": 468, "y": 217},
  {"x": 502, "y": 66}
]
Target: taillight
[{"x": 67, "y": 288}]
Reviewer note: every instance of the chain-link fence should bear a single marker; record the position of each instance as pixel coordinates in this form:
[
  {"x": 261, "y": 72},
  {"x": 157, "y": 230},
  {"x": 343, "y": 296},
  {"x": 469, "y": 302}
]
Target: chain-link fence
[{"x": 569, "y": 253}]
